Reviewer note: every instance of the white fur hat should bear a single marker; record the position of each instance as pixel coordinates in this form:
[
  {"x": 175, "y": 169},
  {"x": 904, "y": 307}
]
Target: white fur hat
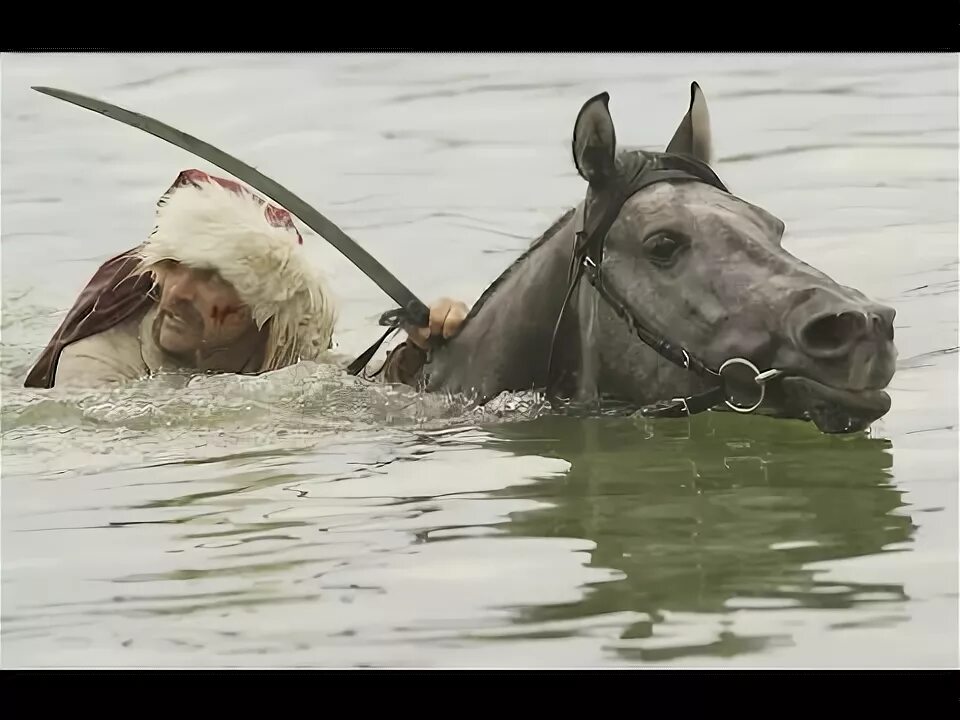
[{"x": 207, "y": 222}]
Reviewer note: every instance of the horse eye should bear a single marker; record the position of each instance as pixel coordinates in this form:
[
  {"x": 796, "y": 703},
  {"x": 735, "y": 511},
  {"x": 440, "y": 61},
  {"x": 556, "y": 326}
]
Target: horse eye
[{"x": 662, "y": 249}]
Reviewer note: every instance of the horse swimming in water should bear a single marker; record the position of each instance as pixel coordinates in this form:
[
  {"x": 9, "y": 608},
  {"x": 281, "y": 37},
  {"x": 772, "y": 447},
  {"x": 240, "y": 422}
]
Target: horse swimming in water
[{"x": 690, "y": 303}]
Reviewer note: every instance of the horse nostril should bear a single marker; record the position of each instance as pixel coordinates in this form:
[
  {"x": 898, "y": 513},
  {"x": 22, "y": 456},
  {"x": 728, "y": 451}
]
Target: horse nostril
[
  {"x": 832, "y": 334},
  {"x": 881, "y": 326}
]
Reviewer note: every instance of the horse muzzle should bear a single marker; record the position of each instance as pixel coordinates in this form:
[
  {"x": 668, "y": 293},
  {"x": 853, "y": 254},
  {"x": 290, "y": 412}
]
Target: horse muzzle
[
  {"x": 843, "y": 340},
  {"x": 833, "y": 410},
  {"x": 839, "y": 358}
]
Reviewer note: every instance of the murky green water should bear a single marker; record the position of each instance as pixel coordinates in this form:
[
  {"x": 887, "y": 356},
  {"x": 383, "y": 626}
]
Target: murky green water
[{"x": 304, "y": 519}]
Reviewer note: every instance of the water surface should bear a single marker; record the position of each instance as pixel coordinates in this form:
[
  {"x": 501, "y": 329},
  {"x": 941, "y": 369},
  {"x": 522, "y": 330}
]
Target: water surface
[{"x": 303, "y": 519}]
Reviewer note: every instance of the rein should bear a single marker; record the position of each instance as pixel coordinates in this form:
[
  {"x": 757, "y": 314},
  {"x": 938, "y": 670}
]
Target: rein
[{"x": 587, "y": 260}]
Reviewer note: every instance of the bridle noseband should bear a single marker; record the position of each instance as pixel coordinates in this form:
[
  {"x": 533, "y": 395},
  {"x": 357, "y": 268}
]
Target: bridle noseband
[{"x": 596, "y": 219}]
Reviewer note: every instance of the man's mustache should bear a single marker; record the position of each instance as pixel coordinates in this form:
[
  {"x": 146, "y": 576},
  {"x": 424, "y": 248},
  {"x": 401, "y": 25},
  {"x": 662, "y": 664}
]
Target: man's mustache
[{"x": 188, "y": 315}]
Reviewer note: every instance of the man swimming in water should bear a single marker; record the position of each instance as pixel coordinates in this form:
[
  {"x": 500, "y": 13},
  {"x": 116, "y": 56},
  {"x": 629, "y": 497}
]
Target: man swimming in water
[{"x": 221, "y": 285}]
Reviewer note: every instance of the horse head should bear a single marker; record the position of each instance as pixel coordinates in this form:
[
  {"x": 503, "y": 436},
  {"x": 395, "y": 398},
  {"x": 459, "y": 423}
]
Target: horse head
[
  {"x": 690, "y": 299},
  {"x": 703, "y": 275}
]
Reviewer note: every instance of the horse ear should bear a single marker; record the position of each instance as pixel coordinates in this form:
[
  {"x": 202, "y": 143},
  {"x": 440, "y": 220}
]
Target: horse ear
[
  {"x": 693, "y": 136},
  {"x": 595, "y": 140}
]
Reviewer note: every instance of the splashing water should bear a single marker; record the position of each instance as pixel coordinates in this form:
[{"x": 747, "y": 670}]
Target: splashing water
[{"x": 176, "y": 414}]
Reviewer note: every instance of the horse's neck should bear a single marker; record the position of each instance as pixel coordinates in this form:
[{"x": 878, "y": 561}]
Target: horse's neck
[{"x": 505, "y": 345}]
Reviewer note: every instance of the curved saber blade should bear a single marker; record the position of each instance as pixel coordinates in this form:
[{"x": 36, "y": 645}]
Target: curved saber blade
[{"x": 413, "y": 308}]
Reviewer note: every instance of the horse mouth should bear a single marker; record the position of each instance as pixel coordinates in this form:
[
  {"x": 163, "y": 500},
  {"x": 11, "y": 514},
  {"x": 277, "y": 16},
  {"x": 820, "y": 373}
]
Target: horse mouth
[{"x": 834, "y": 410}]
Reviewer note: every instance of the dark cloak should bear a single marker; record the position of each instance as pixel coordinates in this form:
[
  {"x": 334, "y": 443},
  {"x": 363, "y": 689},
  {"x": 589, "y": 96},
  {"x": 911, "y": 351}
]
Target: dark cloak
[{"x": 111, "y": 296}]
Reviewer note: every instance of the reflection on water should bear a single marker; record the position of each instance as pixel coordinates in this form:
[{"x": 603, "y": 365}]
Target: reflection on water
[{"x": 711, "y": 516}]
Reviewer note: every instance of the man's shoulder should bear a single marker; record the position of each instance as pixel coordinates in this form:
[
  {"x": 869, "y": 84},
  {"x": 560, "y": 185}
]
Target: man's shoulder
[
  {"x": 123, "y": 335},
  {"x": 108, "y": 357}
]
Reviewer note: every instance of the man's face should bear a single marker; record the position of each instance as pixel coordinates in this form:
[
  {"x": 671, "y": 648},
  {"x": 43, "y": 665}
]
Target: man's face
[{"x": 199, "y": 312}]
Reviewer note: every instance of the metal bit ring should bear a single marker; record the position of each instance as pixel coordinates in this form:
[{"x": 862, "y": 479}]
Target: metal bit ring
[{"x": 756, "y": 374}]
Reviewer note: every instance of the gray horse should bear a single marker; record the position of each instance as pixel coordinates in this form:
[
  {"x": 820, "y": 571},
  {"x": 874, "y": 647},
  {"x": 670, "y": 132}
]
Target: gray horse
[{"x": 692, "y": 302}]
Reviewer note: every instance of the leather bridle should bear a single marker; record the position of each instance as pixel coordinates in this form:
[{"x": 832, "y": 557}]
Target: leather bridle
[{"x": 635, "y": 172}]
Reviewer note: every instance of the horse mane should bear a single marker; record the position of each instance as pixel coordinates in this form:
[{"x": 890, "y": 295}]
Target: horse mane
[{"x": 505, "y": 275}]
